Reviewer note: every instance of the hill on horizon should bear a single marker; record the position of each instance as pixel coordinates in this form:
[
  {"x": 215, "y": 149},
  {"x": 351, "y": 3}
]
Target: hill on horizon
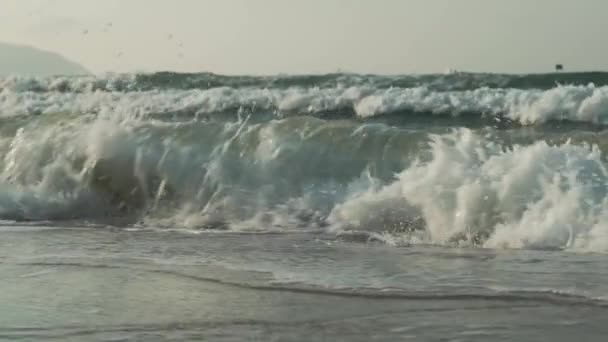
[{"x": 29, "y": 61}]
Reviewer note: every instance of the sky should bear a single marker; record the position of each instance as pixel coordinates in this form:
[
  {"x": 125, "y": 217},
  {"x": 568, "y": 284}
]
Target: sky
[{"x": 314, "y": 36}]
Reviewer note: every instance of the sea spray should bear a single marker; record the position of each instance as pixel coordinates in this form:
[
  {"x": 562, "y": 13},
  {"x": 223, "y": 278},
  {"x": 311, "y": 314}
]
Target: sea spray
[{"x": 347, "y": 155}]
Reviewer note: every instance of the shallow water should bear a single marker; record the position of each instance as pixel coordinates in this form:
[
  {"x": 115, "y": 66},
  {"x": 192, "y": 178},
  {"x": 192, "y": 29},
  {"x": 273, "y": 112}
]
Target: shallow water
[{"x": 110, "y": 285}]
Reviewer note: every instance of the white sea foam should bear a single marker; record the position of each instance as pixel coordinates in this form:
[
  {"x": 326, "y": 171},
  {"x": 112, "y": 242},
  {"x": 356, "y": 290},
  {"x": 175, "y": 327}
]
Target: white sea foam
[
  {"x": 463, "y": 189},
  {"x": 471, "y": 190},
  {"x": 571, "y": 103}
]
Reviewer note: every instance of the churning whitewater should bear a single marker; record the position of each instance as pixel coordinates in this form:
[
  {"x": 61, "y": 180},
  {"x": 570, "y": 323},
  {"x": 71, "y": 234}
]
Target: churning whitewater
[{"x": 502, "y": 161}]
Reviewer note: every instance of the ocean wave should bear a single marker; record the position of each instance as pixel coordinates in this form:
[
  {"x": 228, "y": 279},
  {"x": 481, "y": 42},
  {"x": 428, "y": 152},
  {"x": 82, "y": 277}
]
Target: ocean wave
[
  {"x": 580, "y": 104},
  {"x": 357, "y": 181},
  {"x": 208, "y": 174},
  {"x": 453, "y": 81}
]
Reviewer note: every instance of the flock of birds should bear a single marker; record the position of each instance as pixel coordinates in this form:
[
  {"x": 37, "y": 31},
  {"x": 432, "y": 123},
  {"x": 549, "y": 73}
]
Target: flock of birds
[
  {"x": 107, "y": 29},
  {"x": 108, "y": 26}
]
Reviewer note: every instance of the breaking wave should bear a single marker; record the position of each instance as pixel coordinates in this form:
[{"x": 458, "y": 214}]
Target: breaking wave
[
  {"x": 297, "y": 155},
  {"x": 577, "y": 104}
]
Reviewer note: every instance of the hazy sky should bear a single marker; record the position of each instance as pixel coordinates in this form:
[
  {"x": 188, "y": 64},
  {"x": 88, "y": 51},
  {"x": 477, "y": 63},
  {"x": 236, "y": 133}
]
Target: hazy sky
[{"x": 306, "y": 36}]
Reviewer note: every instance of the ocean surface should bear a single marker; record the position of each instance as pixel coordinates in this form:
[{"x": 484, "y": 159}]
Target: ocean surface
[{"x": 341, "y": 207}]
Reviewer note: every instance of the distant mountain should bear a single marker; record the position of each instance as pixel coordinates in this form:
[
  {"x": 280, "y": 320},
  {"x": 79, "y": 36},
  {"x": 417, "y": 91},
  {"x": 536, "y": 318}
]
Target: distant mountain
[{"x": 29, "y": 61}]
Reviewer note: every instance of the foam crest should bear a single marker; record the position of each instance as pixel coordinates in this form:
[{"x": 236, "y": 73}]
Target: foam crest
[
  {"x": 586, "y": 104},
  {"x": 474, "y": 191},
  {"x": 567, "y": 103}
]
